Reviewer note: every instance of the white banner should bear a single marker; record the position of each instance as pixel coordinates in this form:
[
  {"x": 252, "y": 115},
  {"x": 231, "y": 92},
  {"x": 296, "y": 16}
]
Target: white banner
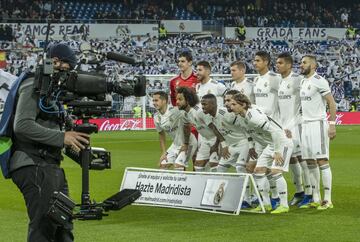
[
  {"x": 100, "y": 31},
  {"x": 183, "y": 26},
  {"x": 274, "y": 33},
  {"x": 210, "y": 192}
]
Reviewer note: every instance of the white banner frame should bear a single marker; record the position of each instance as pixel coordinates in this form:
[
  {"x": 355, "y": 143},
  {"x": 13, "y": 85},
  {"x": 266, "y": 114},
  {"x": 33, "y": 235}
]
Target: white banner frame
[{"x": 248, "y": 179}]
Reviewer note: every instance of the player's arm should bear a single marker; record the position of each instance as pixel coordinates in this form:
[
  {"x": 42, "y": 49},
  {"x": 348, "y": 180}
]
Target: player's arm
[
  {"x": 332, "y": 109},
  {"x": 224, "y": 147},
  {"x": 162, "y": 140},
  {"x": 172, "y": 93},
  {"x": 187, "y": 133},
  {"x": 258, "y": 119}
]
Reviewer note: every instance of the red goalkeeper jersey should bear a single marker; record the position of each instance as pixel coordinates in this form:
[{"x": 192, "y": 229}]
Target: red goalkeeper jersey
[{"x": 178, "y": 81}]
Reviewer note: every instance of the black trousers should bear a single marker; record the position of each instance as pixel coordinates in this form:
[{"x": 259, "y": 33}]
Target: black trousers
[{"x": 37, "y": 184}]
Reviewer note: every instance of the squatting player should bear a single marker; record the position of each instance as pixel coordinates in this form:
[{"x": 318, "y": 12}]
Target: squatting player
[
  {"x": 187, "y": 100},
  {"x": 170, "y": 120},
  {"x": 276, "y": 155}
]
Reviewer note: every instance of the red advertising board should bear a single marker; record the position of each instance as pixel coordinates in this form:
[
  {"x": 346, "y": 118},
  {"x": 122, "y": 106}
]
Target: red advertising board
[
  {"x": 114, "y": 124},
  {"x": 347, "y": 118}
]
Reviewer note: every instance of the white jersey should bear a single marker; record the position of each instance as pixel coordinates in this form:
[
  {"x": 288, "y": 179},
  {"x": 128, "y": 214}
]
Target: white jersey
[
  {"x": 230, "y": 126},
  {"x": 264, "y": 130},
  {"x": 200, "y": 120},
  {"x": 266, "y": 93},
  {"x": 6, "y": 82},
  {"x": 233, "y": 129},
  {"x": 289, "y": 101},
  {"x": 245, "y": 87},
  {"x": 312, "y": 92},
  {"x": 172, "y": 123},
  {"x": 211, "y": 87}
]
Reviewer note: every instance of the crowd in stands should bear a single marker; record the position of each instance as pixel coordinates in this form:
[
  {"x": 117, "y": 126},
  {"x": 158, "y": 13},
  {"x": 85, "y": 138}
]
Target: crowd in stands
[
  {"x": 284, "y": 13},
  {"x": 339, "y": 60}
]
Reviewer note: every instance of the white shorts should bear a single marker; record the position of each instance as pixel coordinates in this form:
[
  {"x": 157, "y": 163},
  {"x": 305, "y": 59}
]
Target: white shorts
[
  {"x": 295, "y": 132},
  {"x": 174, "y": 156},
  {"x": 266, "y": 158},
  {"x": 204, "y": 146},
  {"x": 238, "y": 155},
  {"x": 315, "y": 140}
]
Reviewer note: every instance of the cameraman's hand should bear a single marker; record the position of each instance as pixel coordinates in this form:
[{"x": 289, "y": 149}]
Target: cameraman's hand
[{"x": 76, "y": 140}]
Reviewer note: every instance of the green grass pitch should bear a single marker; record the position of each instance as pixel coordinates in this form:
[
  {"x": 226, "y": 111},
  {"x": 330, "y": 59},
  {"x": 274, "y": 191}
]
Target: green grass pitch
[{"x": 138, "y": 223}]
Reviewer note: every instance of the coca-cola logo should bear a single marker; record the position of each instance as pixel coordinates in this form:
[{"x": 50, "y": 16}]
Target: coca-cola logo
[
  {"x": 337, "y": 119},
  {"x": 126, "y": 124}
]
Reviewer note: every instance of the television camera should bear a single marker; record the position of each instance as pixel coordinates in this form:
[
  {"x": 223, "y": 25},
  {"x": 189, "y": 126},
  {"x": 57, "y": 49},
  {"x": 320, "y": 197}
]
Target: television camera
[{"x": 84, "y": 95}]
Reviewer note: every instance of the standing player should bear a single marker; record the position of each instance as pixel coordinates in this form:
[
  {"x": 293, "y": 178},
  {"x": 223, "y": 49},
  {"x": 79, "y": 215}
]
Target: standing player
[
  {"x": 276, "y": 155},
  {"x": 290, "y": 119},
  {"x": 240, "y": 82},
  {"x": 206, "y": 85},
  {"x": 315, "y": 94},
  {"x": 186, "y": 78},
  {"x": 204, "y": 122},
  {"x": 169, "y": 120},
  {"x": 266, "y": 98}
]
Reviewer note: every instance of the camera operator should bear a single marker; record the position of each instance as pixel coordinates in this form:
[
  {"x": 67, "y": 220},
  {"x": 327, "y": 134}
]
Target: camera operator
[{"x": 38, "y": 142}]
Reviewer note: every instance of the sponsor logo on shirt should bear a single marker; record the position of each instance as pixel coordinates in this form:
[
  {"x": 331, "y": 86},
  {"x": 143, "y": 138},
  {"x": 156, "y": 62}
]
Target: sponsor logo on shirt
[{"x": 285, "y": 97}]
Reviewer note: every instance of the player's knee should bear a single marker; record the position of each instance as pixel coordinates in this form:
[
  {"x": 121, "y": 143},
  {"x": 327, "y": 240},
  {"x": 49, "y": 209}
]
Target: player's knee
[
  {"x": 201, "y": 163},
  {"x": 299, "y": 158},
  {"x": 165, "y": 166},
  {"x": 250, "y": 167},
  {"x": 322, "y": 162},
  {"x": 260, "y": 170},
  {"x": 311, "y": 162},
  {"x": 293, "y": 160},
  {"x": 179, "y": 167},
  {"x": 275, "y": 171}
]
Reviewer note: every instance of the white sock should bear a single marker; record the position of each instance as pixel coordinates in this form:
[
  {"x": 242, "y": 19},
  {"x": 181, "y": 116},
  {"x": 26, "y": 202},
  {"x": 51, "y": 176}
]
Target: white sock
[
  {"x": 273, "y": 188},
  {"x": 263, "y": 186},
  {"x": 199, "y": 168},
  {"x": 222, "y": 169},
  {"x": 213, "y": 169},
  {"x": 247, "y": 196},
  {"x": 296, "y": 173},
  {"x": 282, "y": 188},
  {"x": 315, "y": 182},
  {"x": 240, "y": 169},
  {"x": 306, "y": 175},
  {"x": 326, "y": 180},
  {"x": 179, "y": 168}
]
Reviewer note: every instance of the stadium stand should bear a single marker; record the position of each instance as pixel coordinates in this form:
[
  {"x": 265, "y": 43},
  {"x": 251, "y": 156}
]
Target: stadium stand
[
  {"x": 250, "y": 12},
  {"x": 338, "y": 60}
]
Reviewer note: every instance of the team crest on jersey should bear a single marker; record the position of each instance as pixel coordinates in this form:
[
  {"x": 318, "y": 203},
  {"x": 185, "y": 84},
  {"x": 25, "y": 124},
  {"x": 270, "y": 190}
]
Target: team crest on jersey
[
  {"x": 242, "y": 91},
  {"x": 258, "y": 90},
  {"x": 309, "y": 87},
  {"x": 288, "y": 86},
  {"x": 265, "y": 84},
  {"x": 281, "y": 93}
]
